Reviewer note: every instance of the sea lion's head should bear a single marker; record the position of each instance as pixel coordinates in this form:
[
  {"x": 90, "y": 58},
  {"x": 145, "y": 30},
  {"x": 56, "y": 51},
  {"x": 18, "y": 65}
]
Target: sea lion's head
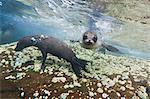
[
  {"x": 89, "y": 40},
  {"x": 25, "y": 42}
]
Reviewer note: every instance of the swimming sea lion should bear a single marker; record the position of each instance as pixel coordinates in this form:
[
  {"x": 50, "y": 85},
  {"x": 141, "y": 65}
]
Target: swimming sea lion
[
  {"x": 55, "y": 47},
  {"x": 89, "y": 41}
]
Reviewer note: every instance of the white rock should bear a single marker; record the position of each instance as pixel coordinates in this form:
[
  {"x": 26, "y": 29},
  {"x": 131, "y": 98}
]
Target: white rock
[
  {"x": 60, "y": 74},
  {"x": 22, "y": 94},
  {"x": 8, "y": 52},
  {"x": 63, "y": 79},
  {"x": 105, "y": 88},
  {"x": 100, "y": 90},
  {"x": 37, "y": 67},
  {"x": 40, "y": 97},
  {"x": 74, "y": 77},
  {"x": 36, "y": 94},
  {"x": 47, "y": 92},
  {"x": 122, "y": 88},
  {"x": 129, "y": 82},
  {"x": 71, "y": 86},
  {"x": 29, "y": 98},
  {"x": 129, "y": 87},
  {"x": 105, "y": 82},
  {"x": 10, "y": 77},
  {"x": 6, "y": 63},
  {"x": 7, "y": 71},
  {"x": 66, "y": 86},
  {"x": 99, "y": 85},
  {"x": 20, "y": 75},
  {"x": 91, "y": 83},
  {"x": 3, "y": 61},
  {"x": 95, "y": 93},
  {"x": 50, "y": 72},
  {"x": 58, "y": 79},
  {"x": 18, "y": 63},
  {"x": 118, "y": 94},
  {"x": 55, "y": 91},
  {"x": 123, "y": 98},
  {"x": 76, "y": 84},
  {"x": 84, "y": 80},
  {"x": 10, "y": 57},
  {"x": 121, "y": 82},
  {"x": 64, "y": 95},
  {"x": 41, "y": 72},
  {"x": 125, "y": 77},
  {"x": 111, "y": 83},
  {"x": 45, "y": 97},
  {"x": 91, "y": 94},
  {"x": 104, "y": 95}
]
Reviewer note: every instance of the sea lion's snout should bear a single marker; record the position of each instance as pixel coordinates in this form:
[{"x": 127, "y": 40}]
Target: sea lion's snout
[
  {"x": 89, "y": 42},
  {"x": 25, "y": 42}
]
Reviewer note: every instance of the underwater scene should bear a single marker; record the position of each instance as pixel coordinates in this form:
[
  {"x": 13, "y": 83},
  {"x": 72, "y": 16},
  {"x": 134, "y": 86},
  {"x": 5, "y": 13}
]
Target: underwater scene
[{"x": 74, "y": 49}]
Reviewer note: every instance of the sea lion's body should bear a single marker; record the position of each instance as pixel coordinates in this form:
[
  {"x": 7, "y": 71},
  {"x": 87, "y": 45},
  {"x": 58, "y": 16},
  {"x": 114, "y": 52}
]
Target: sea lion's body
[{"x": 55, "y": 47}]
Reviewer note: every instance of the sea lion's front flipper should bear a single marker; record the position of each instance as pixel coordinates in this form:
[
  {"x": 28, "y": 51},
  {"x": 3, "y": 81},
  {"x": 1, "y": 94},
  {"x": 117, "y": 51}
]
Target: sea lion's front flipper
[
  {"x": 43, "y": 60},
  {"x": 83, "y": 64},
  {"x": 79, "y": 64},
  {"x": 77, "y": 70}
]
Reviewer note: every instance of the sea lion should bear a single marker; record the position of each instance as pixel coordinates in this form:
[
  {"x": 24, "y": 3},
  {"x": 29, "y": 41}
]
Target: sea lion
[
  {"x": 90, "y": 41},
  {"x": 55, "y": 47}
]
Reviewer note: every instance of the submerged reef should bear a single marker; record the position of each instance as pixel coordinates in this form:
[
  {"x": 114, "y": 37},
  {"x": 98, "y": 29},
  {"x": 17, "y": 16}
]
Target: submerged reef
[{"x": 111, "y": 77}]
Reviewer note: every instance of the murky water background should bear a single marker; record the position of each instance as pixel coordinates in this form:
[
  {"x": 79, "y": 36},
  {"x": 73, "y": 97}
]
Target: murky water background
[
  {"x": 68, "y": 20},
  {"x": 108, "y": 76}
]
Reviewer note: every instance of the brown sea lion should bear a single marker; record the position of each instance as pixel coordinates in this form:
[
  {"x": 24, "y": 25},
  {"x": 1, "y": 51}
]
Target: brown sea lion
[
  {"x": 55, "y": 47},
  {"x": 90, "y": 41}
]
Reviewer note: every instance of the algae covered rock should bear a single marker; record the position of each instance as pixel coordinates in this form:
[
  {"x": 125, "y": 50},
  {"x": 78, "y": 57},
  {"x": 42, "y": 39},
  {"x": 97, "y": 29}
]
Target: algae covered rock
[{"x": 107, "y": 74}]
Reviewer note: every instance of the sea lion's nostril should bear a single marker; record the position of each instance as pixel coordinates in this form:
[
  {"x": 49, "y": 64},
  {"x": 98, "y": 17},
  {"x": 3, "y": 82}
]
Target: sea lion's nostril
[{"x": 91, "y": 41}]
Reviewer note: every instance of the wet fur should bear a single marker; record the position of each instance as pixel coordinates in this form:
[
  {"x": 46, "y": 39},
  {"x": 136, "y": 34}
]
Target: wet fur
[{"x": 55, "y": 47}]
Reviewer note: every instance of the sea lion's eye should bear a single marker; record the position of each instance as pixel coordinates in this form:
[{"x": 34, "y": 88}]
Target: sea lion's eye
[
  {"x": 95, "y": 38},
  {"x": 85, "y": 37}
]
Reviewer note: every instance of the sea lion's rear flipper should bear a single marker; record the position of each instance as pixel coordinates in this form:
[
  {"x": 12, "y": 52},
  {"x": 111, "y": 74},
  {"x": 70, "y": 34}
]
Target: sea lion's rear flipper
[
  {"x": 44, "y": 54},
  {"x": 76, "y": 69},
  {"x": 79, "y": 64},
  {"x": 111, "y": 48}
]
